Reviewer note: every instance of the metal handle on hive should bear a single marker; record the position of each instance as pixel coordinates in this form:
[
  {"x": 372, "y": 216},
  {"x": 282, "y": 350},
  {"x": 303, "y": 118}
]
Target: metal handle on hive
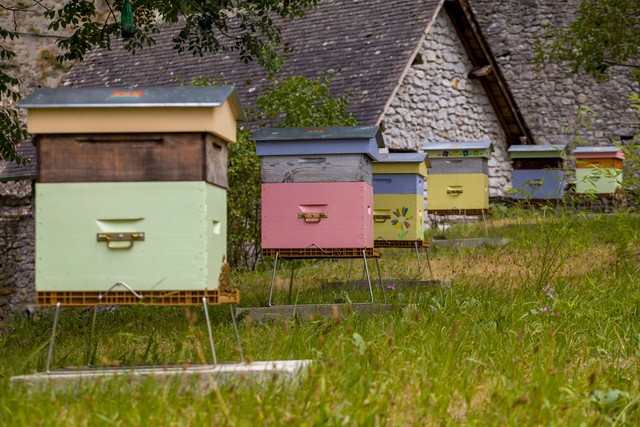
[
  {"x": 535, "y": 184},
  {"x": 113, "y": 239},
  {"x": 455, "y": 192},
  {"x": 381, "y": 218},
  {"x": 313, "y": 217}
]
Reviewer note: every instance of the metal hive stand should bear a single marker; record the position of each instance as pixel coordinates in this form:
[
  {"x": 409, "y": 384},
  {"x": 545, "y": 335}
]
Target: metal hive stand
[
  {"x": 106, "y": 298},
  {"x": 315, "y": 252},
  {"x": 406, "y": 244}
]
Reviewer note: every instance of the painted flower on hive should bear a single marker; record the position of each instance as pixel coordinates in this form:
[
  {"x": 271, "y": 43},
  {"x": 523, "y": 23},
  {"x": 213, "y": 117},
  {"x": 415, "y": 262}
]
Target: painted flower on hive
[{"x": 401, "y": 221}]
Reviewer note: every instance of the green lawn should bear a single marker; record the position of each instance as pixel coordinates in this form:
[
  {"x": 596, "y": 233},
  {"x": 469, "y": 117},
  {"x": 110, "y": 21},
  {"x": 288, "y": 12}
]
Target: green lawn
[{"x": 543, "y": 331}]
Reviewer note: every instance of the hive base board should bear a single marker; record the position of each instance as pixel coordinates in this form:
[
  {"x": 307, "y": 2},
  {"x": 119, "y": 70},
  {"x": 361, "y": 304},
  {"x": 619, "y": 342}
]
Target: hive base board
[
  {"x": 411, "y": 244},
  {"x": 395, "y": 284},
  {"x": 309, "y": 311},
  {"x": 541, "y": 202},
  {"x": 471, "y": 212},
  {"x": 200, "y": 375},
  {"x": 321, "y": 253},
  {"x": 469, "y": 243},
  {"x": 92, "y": 298}
]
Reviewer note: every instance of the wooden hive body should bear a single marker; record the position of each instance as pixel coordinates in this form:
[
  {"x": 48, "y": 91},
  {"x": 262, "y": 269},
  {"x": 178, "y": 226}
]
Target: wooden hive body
[
  {"x": 598, "y": 169},
  {"x": 398, "y": 216},
  {"x": 141, "y": 157},
  {"x": 538, "y": 171},
  {"x": 183, "y": 226},
  {"x": 317, "y": 214},
  {"x": 458, "y": 176},
  {"x": 317, "y": 168},
  {"x": 457, "y": 191},
  {"x": 398, "y": 184},
  {"x": 538, "y": 184}
]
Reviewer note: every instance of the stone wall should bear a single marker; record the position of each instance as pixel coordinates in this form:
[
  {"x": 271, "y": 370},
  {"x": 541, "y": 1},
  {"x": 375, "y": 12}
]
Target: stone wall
[
  {"x": 438, "y": 102},
  {"x": 17, "y": 231},
  {"x": 548, "y": 96}
]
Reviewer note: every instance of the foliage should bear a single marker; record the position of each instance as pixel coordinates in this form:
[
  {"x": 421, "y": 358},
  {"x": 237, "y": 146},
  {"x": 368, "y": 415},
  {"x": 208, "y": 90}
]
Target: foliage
[
  {"x": 631, "y": 150},
  {"x": 605, "y": 34},
  {"x": 301, "y": 102},
  {"x": 488, "y": 350},
  {"x": 290, "y": 102},
  {"x": 246, "y": 26}
]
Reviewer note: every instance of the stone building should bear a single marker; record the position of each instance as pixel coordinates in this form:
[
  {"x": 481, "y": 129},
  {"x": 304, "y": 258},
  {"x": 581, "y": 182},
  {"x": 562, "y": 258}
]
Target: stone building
[
  {"x": 426, "y": 70},
  {"x": 420, "y": 68}
]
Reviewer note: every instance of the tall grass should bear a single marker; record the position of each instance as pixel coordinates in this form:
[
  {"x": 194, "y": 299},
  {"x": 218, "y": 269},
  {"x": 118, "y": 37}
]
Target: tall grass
[{"x": 517, "y": 339}]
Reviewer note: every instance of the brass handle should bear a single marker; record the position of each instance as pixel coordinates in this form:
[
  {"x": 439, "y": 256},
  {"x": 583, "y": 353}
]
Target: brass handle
[
  {"x": 381, "y": 218},
  {"x": 113, "y": 239},
  {"x": 311, "y": 217},
  {"x": 535, "y": 183},
  {"x": 455, "y": 192}
]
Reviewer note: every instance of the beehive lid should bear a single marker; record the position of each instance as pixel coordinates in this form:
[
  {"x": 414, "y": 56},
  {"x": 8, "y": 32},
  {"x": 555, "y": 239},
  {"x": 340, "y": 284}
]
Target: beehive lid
[
  {"x": 438, "y": 150},
  {"x": 538, "y": 151},
  {"x": 325, "y": 140},
  {"x": 409, "y": 163},
  {"x": 145, "y": 109},
  {"x": 608, "y": 152}
]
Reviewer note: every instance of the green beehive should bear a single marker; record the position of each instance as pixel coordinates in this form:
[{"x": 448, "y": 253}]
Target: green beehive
[
  {"x": 131, "y": 194},
  {"x": 152, "y": 236}
]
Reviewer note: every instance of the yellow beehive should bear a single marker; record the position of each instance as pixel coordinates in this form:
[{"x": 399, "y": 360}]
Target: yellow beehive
[
  {"x": 457, "y": 191},
  {"x": 398, "y": 216}
]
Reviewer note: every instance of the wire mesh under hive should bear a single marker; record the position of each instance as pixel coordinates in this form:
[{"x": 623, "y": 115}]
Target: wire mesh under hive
[
  {"x": 460, "y": 212},
  {"x": 321, "y": 253},
  {"x": 411, "y": 244},
  {"x": 91, "y": 298}
]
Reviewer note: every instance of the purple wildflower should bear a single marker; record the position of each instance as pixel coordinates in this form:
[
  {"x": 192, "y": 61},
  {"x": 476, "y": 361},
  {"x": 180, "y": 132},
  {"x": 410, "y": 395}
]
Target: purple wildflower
[
  {"x": 550, "y": 292},
  {"x": 545, "y": 310},
  {"x": 391, "y": 287}
]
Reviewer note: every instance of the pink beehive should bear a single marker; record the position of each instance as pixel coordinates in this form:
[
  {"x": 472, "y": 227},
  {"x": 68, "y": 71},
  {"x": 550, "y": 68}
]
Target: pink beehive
[{"x": 322, "y": 214}]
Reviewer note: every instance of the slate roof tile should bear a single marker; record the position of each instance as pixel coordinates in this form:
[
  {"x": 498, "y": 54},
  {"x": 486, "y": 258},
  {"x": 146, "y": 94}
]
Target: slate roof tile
[{"x": 366, "y": 44}]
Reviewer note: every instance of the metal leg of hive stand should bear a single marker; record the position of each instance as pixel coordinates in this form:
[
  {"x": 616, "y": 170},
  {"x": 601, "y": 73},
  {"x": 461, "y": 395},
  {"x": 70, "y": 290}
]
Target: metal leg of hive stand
[
  {"x": 93, "y": 328},
  {"x": 418, "y": 258},
  {"x": 426, "y": 251},
  {"x": 235, "y": 330},
  {"x": 53, "y": 338},
  {"x": 293, "y": 264},
  {"x": 206, "y": 316},
  {"x": 366, "y": 269},
  {"x": 384, "y": 294},
  {"x": 273, "y": 278},
  {"x": 484, "y": 221},
  {"x": 349, "y": 274}
]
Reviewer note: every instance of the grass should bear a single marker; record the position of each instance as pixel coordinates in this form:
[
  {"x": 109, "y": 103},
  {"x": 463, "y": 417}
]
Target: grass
[{"x": 543, "y": 331}]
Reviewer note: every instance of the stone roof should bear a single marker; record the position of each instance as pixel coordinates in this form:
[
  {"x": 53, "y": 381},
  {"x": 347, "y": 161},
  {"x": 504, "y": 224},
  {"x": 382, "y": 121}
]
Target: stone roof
[
  {"x": 13, "y": 172},
  {"x": 366, "y": 44}
]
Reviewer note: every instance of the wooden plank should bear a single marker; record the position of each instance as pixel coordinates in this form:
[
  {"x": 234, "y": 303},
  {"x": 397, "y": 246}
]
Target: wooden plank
[
  {"x": 130, "y": 158},
  {"x": 316, "y": 168},
  {"x": 309, "y": 311},
  {"x": 216, "y": 155}
]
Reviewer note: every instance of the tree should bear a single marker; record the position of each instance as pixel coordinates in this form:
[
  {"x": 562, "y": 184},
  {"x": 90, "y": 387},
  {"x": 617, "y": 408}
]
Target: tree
[
  {"x": 605, "y": 34},
  {"x": 244, "y": 26}
]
